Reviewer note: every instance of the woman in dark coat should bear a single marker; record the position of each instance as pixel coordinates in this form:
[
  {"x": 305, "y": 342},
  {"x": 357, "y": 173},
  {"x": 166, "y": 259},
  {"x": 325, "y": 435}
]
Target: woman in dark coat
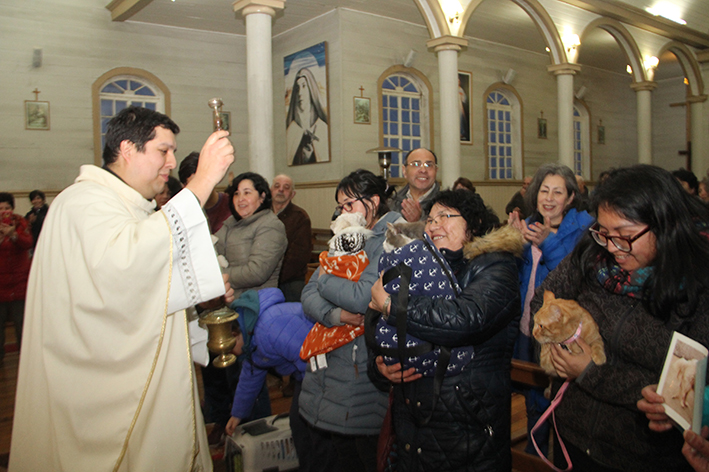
[
  {"x": 469, "y": 428},
  {"x": 641, "y": 271}
]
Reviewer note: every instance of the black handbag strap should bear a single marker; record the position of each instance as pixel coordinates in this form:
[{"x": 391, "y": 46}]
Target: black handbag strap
[
  {"x": 444, "y": 268},
  {"x": 401, "y": 306}
]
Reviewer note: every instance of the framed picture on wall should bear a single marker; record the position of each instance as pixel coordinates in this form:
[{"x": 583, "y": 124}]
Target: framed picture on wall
[
  {"x": 362, "y": 111},
  {"x": 465, "y": 93},
  {"x": 601, "y": 134},
  {"x": 541, "y": 128},
  {"x": 36, "y": 115},
  {"x": 306, "y": 100}
]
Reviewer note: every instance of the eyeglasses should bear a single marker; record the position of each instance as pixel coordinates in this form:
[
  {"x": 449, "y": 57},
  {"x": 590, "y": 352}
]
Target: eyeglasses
[
  {"x": 425, "y": 165},
  {"x": 347, "y": 206},
  {"x": 623, "y": 243},
  {"x": 441, "y": 218}
]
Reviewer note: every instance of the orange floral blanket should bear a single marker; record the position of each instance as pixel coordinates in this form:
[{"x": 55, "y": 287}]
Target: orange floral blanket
[{"x": 320, "y": 339}]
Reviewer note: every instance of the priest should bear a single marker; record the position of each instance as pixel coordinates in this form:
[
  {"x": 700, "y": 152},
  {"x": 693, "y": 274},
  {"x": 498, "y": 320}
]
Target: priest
[{"x": 106, "y": 377}]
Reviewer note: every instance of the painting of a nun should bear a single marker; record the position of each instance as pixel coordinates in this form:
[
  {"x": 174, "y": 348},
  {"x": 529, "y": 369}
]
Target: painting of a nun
[{"x": 307, "y": 131}]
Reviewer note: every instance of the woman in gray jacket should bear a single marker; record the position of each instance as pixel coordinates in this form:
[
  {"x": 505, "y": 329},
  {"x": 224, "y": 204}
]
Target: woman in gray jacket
[
  {"x": 342, "y": 407},
  {"x": 253, "y": 240}
]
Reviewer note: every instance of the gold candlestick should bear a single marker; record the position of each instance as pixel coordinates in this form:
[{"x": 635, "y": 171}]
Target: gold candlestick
[
  {"x": 216, "y": 105},
  {"x": 220, "y": 339}
]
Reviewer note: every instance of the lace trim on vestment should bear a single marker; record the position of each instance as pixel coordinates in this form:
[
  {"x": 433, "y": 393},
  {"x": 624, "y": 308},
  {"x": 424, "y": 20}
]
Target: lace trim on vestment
[{"x": 184, "y": 264}]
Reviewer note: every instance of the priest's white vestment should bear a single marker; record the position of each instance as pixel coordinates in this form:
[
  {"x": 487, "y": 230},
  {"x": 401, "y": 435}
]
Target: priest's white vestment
[{"x": 106, "y": 379}]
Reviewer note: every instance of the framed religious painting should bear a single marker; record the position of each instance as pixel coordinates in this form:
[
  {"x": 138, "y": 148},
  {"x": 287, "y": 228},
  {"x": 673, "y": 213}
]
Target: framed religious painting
[
  {"x": 306, "y": 101},
  {"x": 36, "y": 115},
  {"x": 362, "y": 111},
  {"x": 465, "y": 93}
]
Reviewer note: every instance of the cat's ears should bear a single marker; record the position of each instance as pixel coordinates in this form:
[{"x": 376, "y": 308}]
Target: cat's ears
[
  {"x": 548, "y": 296},
  {"x": 391, "y": 227}
]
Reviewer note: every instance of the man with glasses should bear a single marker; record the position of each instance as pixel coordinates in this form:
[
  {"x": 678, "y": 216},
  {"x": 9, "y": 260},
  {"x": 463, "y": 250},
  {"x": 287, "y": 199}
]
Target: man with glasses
[{"x": 420, "y": 169}]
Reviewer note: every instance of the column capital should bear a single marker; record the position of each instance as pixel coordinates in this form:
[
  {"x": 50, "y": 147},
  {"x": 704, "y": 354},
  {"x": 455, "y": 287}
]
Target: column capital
[
  {"x": 697, "y": 98},
  {"x": 447, "y": 42},
  {"x": 567, "y": 68},
  {"x": 268, "y": 7},
  {"x": 644, "y": 85}
]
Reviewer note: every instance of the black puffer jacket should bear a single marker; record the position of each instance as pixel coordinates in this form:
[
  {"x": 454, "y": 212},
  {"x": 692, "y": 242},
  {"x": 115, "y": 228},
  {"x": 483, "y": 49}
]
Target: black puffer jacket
[{"x": 470, "y": 428}]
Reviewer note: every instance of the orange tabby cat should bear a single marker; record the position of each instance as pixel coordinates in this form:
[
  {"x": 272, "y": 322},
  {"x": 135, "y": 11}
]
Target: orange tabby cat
[{"x": 557, "y": 322}]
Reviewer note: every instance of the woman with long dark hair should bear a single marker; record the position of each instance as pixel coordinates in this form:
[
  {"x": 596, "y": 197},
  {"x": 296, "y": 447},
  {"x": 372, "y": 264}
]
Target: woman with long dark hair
[
  {"x": 641, "y": 271},
  {"x": 343, "y": 409}
]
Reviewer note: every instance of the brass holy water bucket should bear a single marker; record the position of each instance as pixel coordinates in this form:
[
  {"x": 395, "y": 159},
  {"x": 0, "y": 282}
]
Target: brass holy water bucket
[{"x": 220, "y": 339}]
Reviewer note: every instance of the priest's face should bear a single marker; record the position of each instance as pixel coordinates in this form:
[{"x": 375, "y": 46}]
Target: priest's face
[{"x": 151, "y": 167}]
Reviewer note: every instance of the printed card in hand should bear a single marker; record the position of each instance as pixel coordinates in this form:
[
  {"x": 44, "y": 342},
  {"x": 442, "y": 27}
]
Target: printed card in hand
[{"x": 683, "y": 380}]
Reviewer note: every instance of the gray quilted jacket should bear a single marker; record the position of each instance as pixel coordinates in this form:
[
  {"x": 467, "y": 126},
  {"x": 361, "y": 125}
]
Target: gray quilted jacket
[
  {"x": 341, "y": 398},
  {"x": 254, "y": 247}
]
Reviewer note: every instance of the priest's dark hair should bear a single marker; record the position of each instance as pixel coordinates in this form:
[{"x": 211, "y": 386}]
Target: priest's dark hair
[
  {"x": 261, "y": 186},
  {"x": 137, "y": 125}
]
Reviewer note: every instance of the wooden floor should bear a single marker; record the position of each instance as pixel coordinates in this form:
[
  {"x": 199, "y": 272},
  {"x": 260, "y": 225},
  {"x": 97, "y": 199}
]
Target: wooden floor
[{"x": 279, "y": 404}]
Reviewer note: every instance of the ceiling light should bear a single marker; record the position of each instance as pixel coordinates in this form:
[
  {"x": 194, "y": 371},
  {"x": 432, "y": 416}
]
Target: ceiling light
[
  {"x": 629, "y": 69},
  {"x": 667, "y": 10},
  {"x": 453, "y": 11}
]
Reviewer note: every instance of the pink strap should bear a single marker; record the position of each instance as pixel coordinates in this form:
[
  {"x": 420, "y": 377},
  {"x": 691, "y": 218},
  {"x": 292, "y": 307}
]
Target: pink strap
[
  {"x": 550, "y": 411},
  {"x": 526, "y": 314}
]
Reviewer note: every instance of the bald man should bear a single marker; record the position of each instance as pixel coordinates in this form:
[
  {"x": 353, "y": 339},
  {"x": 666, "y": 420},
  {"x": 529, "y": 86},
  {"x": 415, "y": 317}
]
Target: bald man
[
  {"x": 300, "y": 244},
  {"x": 420, "y": 169}
]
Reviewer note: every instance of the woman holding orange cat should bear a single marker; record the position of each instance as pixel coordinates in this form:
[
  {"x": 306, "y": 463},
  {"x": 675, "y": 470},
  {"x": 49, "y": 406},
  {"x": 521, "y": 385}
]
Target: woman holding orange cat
[{"x": 641, "y": 273}]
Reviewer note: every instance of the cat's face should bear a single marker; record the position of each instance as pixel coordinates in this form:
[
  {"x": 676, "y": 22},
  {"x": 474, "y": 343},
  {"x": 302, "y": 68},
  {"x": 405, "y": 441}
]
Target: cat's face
[{"x": 552, "y": 321}]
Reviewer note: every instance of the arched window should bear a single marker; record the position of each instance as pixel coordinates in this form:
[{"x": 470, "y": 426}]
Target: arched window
[
  {"x": 503, "y": 136},
  {"x": 582, "y": 141},
  {"x": 120, "y": 88},
  {"x": 405, "y": 113}
]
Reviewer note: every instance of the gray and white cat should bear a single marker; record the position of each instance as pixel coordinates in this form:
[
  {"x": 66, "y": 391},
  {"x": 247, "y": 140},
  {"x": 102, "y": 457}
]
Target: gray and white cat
[{"x": 401, "y": 234}]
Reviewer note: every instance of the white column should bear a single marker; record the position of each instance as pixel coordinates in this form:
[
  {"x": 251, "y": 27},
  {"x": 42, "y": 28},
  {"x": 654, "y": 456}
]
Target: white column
[
  {"x": 565, "y": 105},
  {"x": 259, "y": 82},
  {"x": 700, "y": 155},
  {"x": 447, "y": 48},
  {"x": 643, "y": 95}
]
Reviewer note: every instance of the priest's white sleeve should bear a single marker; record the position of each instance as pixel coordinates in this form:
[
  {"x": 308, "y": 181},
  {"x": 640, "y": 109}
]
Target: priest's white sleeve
[{"x": 196, "y": 276}]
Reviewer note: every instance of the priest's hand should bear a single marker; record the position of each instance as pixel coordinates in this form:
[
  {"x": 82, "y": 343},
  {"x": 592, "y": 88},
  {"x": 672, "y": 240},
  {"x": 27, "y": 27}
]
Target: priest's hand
[
  {"x": 231, "y": 425},
  {"x": 229, "y": 292},
  {"x": 214, "y": 160}
]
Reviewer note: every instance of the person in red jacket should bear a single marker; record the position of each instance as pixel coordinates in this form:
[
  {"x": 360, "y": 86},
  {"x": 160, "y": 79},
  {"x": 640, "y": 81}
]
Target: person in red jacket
[{"x": 15, "y": 243}]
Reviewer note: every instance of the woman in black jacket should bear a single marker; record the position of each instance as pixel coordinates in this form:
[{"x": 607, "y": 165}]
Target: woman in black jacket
[{"x": 469, "y": 425}]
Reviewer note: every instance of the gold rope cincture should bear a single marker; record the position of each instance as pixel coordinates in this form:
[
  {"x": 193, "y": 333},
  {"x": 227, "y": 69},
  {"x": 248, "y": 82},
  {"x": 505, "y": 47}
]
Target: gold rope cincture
[{"x": 155, "y": 359}]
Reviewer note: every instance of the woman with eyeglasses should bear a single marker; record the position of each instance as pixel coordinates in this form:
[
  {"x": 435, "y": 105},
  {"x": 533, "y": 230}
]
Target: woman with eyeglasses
[
  {"x": 465, "y": 427},
  {"x": 343, "y": 409},
  {"x": 551, "y": 233},
  {"x": 641, "y": 271}
]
